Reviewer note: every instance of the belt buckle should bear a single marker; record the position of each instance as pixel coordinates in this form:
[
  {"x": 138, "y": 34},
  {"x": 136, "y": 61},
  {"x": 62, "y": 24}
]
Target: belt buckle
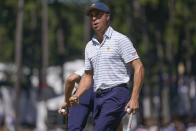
[{"x": 98, "y": 91}]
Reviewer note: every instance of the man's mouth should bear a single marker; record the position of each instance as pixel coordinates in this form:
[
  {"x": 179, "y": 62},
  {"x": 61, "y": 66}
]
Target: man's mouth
[{"x": 95, "y": 25}]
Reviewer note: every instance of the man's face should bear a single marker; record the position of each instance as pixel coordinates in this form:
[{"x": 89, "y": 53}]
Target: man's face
[{"x": 99, "y": 20}]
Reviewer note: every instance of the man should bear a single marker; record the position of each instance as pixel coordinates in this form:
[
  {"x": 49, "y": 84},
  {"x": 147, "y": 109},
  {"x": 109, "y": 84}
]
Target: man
[
  {"x": 78, "y": 116},
  {"x": 108, "y": 59}
]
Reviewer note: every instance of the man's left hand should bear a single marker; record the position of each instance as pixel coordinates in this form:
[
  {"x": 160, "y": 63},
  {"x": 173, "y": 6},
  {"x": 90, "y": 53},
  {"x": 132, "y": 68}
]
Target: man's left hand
[{"x": 133, "y": 105}]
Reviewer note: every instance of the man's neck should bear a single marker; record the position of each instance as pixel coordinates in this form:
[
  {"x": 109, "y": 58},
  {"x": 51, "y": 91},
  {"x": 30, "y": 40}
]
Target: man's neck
[{"x": 100, "y": 34}]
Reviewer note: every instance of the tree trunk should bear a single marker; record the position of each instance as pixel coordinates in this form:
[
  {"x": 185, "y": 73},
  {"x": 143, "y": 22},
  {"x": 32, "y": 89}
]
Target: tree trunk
[
  {"x": 160, "y": 62},
  {"x": 187, "y": 46},
  {"x": 186, "y": 42},
  {"x": 18, "y": 59},
  {"x": 33, "y": 25},
  {"x": 44, "y": 47},
  {"x": 170, "y": 58},
  {"x": 60, "y": 40},
  {"x": 86, "y": 28},
  {"x": 61, "y": 51}
]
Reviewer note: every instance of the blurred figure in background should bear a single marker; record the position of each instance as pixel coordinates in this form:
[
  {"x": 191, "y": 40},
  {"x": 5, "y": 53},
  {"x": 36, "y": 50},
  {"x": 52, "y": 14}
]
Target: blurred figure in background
[{"x": 77, "y": 116}]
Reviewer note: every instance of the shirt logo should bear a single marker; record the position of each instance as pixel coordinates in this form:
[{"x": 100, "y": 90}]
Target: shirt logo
[
  {"x": 108, "y": 48},
  {"x": 93, "y": 4},
  {"x": 134, "y": 53}
]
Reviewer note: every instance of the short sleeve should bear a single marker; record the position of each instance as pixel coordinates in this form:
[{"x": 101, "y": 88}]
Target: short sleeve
[
  {"x": 88, "y": 65},
  {"x": 127, "y": 50}
]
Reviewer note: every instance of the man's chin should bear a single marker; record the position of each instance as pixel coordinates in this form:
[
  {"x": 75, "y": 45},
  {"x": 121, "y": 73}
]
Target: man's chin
[{"x": 96, "y": 28}]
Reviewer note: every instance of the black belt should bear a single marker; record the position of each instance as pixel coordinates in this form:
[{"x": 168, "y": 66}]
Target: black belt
[{"x": 102, "y": 91}]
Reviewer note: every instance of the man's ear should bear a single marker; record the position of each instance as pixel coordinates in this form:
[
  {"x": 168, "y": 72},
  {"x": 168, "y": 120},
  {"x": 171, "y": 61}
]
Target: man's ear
[{"x": 108, "y": 17}]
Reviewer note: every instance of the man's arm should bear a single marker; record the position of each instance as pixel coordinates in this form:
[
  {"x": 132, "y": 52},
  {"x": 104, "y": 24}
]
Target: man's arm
[
  {"x": 69, "y": 85},
  {"x": 84, "y": 85},
  {"x": 138, "y": 67}
]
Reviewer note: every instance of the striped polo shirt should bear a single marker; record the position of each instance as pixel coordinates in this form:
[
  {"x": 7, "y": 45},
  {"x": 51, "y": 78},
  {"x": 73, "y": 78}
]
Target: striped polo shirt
[{"x": 109, "y": 59}]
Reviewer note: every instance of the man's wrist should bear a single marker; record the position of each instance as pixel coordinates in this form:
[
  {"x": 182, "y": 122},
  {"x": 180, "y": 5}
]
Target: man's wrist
[
  {"x": 66, "y": 100},
  {"x": 76, "y": 96},
  {"x": 135, "y": 97}
]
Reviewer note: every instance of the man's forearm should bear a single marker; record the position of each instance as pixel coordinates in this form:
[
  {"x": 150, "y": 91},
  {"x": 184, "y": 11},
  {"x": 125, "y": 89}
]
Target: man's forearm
[
  {"x": 68, "y": 90},
  {"x": 138, "y": 81},
  {"x": 84, "y": 85},
  {"x": 70, "y": 84}
]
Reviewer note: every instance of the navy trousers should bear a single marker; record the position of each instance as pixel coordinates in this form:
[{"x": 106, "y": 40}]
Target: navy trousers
[
  {"x": 78, "y": 115},
  {"x": 109, "y": 108}
]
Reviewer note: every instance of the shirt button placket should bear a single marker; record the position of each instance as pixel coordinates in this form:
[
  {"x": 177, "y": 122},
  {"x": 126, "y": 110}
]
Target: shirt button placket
[{"x": 98, "y": 57}]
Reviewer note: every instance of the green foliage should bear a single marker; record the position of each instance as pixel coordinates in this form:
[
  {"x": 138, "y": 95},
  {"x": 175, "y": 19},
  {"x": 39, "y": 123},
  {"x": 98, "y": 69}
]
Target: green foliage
[
  {"x": 69, "y": 16},
  {"x": 120, "y": 11},
  {"x": 7, "y": 29},
  {"x": 152, "y": 3},
  {"x": 6, "y": 45}
]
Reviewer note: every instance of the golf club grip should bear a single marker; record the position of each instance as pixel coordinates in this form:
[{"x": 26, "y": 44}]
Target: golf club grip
[{"x": 130, "y": 122}]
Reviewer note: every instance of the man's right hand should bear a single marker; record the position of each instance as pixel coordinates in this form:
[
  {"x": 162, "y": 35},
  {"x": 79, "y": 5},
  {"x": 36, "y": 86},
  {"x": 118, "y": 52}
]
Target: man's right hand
[
  {"x": 64, "y": 106},
  {"x": 74, "y": 100}
]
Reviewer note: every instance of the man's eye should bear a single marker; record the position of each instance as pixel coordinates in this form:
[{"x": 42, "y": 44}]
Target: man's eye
[{"x": 95, "y": 14}]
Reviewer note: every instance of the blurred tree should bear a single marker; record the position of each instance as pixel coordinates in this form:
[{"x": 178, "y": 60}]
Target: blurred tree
[
  {"x": 186, "y": 41},
  {"x": 32, "y": 35},
  {"x": 140, "y": 15},
  {"x": 170, "y": 52},
  {"x": 18, "y": 59},
  {"x": 45, "y": 47},
  {"x": 69, "y": 17},
  {"x": 87, "y": 27},
  {"x": 163, "y": 33},
  {"x": 8, "y": 14}
]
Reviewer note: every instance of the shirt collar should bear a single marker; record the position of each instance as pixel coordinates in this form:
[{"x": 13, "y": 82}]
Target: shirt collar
[{"x": 108, "y": 34}]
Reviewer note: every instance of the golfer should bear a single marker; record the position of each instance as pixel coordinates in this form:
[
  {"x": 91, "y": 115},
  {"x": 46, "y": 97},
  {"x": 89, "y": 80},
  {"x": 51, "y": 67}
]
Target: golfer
[{"x": 108, "y": 59}]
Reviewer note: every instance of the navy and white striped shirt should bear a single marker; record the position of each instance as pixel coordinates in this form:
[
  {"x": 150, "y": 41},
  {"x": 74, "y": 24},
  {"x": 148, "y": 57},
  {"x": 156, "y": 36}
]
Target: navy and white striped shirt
[{"x": 109, "y": 59}]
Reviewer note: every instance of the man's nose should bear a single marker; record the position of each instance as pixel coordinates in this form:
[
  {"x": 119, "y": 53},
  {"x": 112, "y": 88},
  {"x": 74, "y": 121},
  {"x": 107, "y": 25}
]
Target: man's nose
[{"x": 94, "y": 17}]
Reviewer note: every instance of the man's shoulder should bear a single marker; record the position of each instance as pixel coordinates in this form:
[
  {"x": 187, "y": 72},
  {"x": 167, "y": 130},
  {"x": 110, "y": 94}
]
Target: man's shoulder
[
  {"x": 118, "y": 35},
  {"x": 120, "y": 38},
  {"x": 90, "y": 43}
]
